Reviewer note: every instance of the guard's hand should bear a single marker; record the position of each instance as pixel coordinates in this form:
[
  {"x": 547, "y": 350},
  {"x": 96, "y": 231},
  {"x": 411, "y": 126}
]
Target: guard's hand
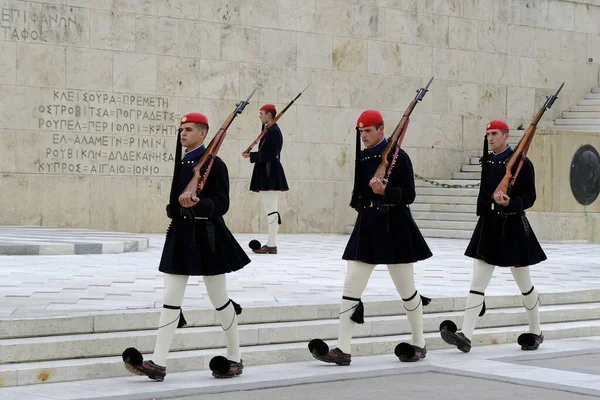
[
  {"x": 188, "y": 199},
  {"x": 501, "y": 198},
  {"x": 245, "y": 154},
  {"x": 378, "y": 185}
]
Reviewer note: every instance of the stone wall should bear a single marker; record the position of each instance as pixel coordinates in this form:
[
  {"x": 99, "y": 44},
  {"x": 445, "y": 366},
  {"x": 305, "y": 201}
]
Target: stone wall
[{"x": 91, "y": 92}]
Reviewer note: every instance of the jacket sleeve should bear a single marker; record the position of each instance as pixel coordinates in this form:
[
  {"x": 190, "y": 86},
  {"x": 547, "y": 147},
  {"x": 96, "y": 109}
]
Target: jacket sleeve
[
  {"x": 214, "y": 199},
  {"x": 271, "y": 147},
  {"x": 401, "y": 185},
  {"x": 523, "y": 194}
]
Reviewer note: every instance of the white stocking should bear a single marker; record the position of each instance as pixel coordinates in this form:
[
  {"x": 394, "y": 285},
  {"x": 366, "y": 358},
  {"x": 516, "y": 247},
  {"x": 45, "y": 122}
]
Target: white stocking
[
  {"x": 357, "y": 277},
  {"x": 404, "y": 280},
  {"x": 216, "y": 286},
  {"x": 169, "y": 318},
  {"x": 530, "y": 297},
  {"x": 269, "y": 200},
  {"x": 482, "y": 275}
]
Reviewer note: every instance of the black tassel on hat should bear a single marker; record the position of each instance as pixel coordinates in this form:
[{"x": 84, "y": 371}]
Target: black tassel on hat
[{"x": 355, "y": 200}]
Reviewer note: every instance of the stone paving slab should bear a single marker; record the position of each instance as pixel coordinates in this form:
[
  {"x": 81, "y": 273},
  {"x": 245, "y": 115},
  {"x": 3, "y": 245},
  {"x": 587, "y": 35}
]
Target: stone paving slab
[
  {"x": 35, "y": 240},
  {"x": 307, "y": 270},
  {"x": 490, "y": 368}
]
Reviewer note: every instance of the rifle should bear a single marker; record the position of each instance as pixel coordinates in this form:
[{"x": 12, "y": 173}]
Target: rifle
[
  {"x": 512, "y": 169},
  {"x": 385, "y": 168},
  {"x": 202, "y": 169},
  {"x": 266, "y": 128}
]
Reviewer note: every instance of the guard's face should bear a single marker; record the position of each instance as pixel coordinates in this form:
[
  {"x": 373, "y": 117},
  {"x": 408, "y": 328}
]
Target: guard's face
[
  {"x": 496, "y": 139},
  {"x": 371, "y": 136},
  {"x": 192, "y": 136},
  {"x": 264, "y": 117}
]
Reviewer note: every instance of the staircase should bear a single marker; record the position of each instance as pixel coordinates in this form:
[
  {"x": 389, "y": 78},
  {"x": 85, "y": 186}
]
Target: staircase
[
  {"x": 442, "y": 212},
  {"x": 59, "y": 349},
  {"x": 585, "y": 116}
]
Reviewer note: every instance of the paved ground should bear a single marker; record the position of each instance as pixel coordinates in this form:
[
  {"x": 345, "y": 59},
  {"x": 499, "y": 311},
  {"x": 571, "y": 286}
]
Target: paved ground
[
  {"x": 489, "y": 372},
  {"x": 307, "y": 270}
]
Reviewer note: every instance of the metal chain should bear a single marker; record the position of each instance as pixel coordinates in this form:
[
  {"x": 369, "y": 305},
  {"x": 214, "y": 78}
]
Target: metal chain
[{"x": 447, "y": 185}]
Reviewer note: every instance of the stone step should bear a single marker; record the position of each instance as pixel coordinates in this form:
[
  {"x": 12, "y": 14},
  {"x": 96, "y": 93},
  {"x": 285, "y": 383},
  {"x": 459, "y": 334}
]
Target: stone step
[
  {"x": 471, "y": 168},
  {"x": 440, "y": 224},
  {"x": 581, "y": 114},
  {"x": 596, "y": 89},
  {"x": 572, "y": 121},
  {"x": 446, "y": 199},
  {"x": 582, "y": 128},
  {"x": 474, "y": 161},
  {"x": 467, "y": 175},
  {"x": 585, "y": 108},
  {"x": 438, "y": 216},
  {"x": 376, "y": 336},
  {"x": 592, "y": 96},
  {"x": 447, "y": 233},
  {"x": 440, "y": 191},
  {"x": 457, "y": 208},
  {"x": 588, "y": 102}
]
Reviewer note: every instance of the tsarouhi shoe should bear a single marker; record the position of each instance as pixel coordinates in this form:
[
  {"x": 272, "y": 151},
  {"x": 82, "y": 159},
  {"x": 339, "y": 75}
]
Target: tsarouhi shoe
[
  {"x": 410, "y": 353},
  {"x": 266, "y": 250},
  {"x": 223, "y": 368},
  {"x": 321, "y": 352},
  {"x": 134, "y": 362},
  {"x": 530, "y": 341},
  {"x": 448, "y": 332}
]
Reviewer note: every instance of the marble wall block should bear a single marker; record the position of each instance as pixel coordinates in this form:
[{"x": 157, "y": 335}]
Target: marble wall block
[
  {"x": 26, "y": 211},
  {"x": 293, "y": 81},
  {"x": 502, "y": 70},
  {"x": 418, "y": 61},
  {"x": 425, "y": 6},
  {"x": 240, "y": 43},
  {"x": 245, "y": 208},
  {"x": 446, "y": 132},
  {"x": 189, "y": 9},
  {"x": 19, "y": 106},
  {"x": 220, "y": 80},
  {"x": 157, "y": 35},
  {"x": 333, "y": 88},
  {"x": 492, "y": 101},
  {"x": 66, "y": 207},
  {"x": 136, "y": 7},
  {"x": 333, "y": 17},
  {"x": 314, "y": 124},
  {"x": 586, "y": 18},
  {"x": 478, "y": 9},
  {"x": 520, "y": 102},
  {"x": 535, "y": 13},
  {"x": 384, "y": 58},
  {"x": 222, "y": 11},
  {"x": 90, "y": 69},
  {"x": 453, "y": 8},
  {"x": 593, "y": 48},
  {"x": 278, "y": 47},
  {"x": 367, "y": 22},
  {"x": 8, "y": 144},
  {"x": 199, "y": 39},
  {"x": 300, "y": 164},
  {"x": 112, "y": 31},
  {"x": 573, "y": 46},
  {"x": 265, "y": 78},
  {"x": 547, "y": 43},
  {"x": 440, "y": 61},
  {"x": 72, "y": 29},
  {"x": 245, "y": 126},
  {"x": 113, "y": 203},
  {"x": 434, "y": 30},
  {"x": 39, "y": 65},
  {"x": 297, "y": 15},
  {"x": 521, "y": 40},
  {"x": 8, "y": 63},
  {"x": 401, "y": 26},
  {"x": 463, "y": 33},
  {"x": 314, "y": 50},
  {"x": 473, "y": 66},
  {"x": 561, "y": 15},
  {"x": 508, "y": 11},
  {"x": 179, "y": 76},
  {"x": 462, "y": 98},
  {"x": 343, "y": 215},
  {"x": 134, "y": 72},
  {"x": 317, "y": 215},
  {"x": 349, "y": 54},
  {"x": 261, "y": 13},
  {"x": 154, "y": 193},
  {"x": 493, "y": 37}
]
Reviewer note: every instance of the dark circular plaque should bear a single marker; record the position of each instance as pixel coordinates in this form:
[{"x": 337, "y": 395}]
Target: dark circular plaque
[{"x": 585, "y": 174}]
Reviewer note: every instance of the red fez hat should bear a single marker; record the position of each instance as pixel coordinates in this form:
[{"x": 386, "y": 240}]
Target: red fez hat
[
  {"x": 369, "y": 118},
  {"x": 194, "y": 117},
  {"x": 268, "y": 107},
  {"x": 497, "y": 124}
]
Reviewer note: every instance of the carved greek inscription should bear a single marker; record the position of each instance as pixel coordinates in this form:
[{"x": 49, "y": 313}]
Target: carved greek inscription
[
  {"x": 33, "y": 22},
  {"x": 83, "y": 132}
]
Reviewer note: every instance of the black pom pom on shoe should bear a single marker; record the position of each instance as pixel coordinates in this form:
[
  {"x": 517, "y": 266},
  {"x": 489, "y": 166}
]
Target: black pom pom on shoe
[
  {"x": 318, "y": 346},
  {"x": 219, "y": 364},
  {"x": 404, "y": 349},
  {"x": 449, "y": 326},
  {"x": 254, "y": 244},
  {"x": 133, "y": 356}
]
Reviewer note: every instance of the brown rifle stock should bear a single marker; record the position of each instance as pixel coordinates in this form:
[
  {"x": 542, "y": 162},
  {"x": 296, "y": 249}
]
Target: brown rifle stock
[
  {"x": 202, "y": 169},
  {"x": 513, "y": 167},
  {"x": 385, "y": 168}
]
